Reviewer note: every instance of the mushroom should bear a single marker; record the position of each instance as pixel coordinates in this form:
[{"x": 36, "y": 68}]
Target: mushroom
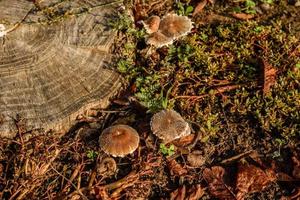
[
  {"x": 175, "y": 26},
  {"x": 196, "y": 159},
  {"x": 168, "y": 125},
  {"x": 165, "y": 31},
  {"x": 107, "y": 166},
  {"x": 158, "y": 40},
  {"x": 151, "y": 24},
  {"x": 119, "y": 140}
]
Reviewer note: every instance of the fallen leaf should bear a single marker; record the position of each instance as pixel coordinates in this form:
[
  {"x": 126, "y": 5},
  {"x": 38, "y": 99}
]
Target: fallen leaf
[
  {"x": 199, "y": 7},
  {"x": 280, "y": 176},
  {"x": 217, "y": 187},
  {"x": 242, "y": 16},
  {"x": 195, "y": 192},
  {"x": 294, "y": 196},
  {"x": 183, "y": 141},
  {"x": 192, "y": 193},
  {"x": 252, "y": 179},
  {"x": 176, "y": 168},
  {"x": 269, "y": 76},
  {"x": 178, "y": 194}
]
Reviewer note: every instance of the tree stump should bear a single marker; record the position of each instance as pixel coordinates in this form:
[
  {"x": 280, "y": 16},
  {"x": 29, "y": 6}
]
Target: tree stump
[{"x": 54, "y": 62}]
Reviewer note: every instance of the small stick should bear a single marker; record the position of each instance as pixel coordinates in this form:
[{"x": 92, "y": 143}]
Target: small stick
[
  {"x": 78, "y": 190},
  {"x": 237, "y": 157},
  {"x": 120, "y": 182}
]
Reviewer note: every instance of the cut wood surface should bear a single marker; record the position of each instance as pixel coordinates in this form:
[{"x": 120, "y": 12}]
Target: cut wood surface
[{"x": 54, "y": 62}]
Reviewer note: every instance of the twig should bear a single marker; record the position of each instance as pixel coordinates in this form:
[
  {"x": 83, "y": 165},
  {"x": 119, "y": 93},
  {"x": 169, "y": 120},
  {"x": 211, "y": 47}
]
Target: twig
[
  {"x": 237, "y": 157},
  {"x": 78, "y": 190},
  {"x": 218, "y": 90},
  {"x": 120, "y": 182}
]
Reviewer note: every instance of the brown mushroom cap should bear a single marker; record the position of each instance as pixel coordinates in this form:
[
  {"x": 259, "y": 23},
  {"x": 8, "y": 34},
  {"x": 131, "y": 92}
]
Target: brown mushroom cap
[
  {"x": 157, "y": 39},
  {"x": 119, "y": 140},
  {"x": 151, "y": 24},
  {"x": 175, "y": 26},
  {"x": 168, "y": 125},
  {"x": 169, "y": 28}
]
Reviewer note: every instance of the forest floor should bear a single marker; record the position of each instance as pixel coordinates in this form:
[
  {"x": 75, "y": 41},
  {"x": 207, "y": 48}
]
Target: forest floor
[{"x": 235, "y": 78}]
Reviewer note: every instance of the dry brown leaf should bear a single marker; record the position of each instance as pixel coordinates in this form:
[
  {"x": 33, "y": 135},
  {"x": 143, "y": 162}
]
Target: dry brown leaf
[
  {"x": 269, "y": 76},
  {"x": 199, "y": 7},
  {"x": 252, "y": 179},
  {"x": 242, "y": 16},
  {"x": 193, "y": 193},
  {"x": 216, "y": 185},
  {"x": 183, "y": 141},
  {"x": 176, "y": 168},
  {"x": 178, "y": 194}
]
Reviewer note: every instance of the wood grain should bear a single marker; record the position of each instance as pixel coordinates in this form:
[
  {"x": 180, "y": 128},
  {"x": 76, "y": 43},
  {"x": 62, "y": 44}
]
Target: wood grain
[{"x": 53, "y": 69}]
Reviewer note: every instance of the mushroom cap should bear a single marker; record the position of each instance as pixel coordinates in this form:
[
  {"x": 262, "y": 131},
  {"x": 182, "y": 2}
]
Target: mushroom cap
[
  {"x": 158, "y": 39},
  {"x": 168, "y": 125},
  {"x": 119, "y": 140},
  {"x": 151, "y": 24},
  {"x": 175, "y": 26}
]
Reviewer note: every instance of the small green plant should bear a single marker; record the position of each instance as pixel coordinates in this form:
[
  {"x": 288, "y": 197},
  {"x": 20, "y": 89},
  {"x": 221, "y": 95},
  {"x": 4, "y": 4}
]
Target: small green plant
[
  {"x": 168, "y": 151},
  {"x": 249, "y": 4},
  {"x": 267, "y": 1},
  {"x": 184, "y": 10},
  {"x": 91, "y": 154}
]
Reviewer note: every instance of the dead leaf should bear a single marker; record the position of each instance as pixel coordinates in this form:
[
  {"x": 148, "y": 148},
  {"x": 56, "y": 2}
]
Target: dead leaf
[
  {"x": 280, "y": 176},
  {"x": 183, "y": 141},
  {"x": 193, "y": 193},
  {"x": 199, "y": 7},
  {"x": 178, "y": 194},
  {"x": 252, "y": 179},
  {"x": 176, "y": 168},
  {"x": 242, "y": 16},
  {"x": 216, "y": 185},
  {"x": 269, "y": 76},
  {"x": 294, "y": 196}
]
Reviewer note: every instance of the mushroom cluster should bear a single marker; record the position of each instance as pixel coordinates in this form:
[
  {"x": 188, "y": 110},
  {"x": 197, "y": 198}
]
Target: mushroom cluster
[
  {"x": 168, "y": 125},
  {"x": 164, "y": 31},
  {"x": 119, "y": 140}
]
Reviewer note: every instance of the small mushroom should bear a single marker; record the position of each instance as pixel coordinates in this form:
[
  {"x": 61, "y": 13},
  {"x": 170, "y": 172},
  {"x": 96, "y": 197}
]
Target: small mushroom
[
  {"x": 175, "y": 26},
  {"x": 196, "y": 159},
  {"x": 119, "y": 140},
  {"x": 151, "y": 24},
  {"x": 164, "y": 31},
  {"x": 107, "y": 166},
  {"x": 158, "y": 40},
  {"x": 168, "y": 125}
]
